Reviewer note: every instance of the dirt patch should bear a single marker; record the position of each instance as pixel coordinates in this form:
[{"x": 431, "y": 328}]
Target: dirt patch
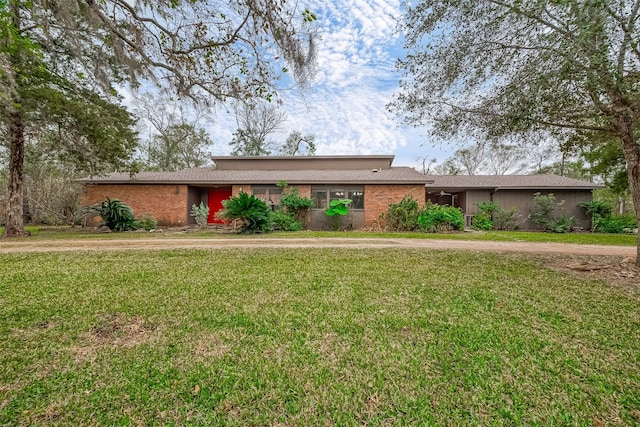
[
  {"x": 113, "y": 330},
  {"x": 616, "y": 271}
]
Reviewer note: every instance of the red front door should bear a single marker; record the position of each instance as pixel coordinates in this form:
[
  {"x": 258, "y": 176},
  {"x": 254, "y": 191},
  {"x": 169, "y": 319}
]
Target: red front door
[{"x": 215, "y": 204}]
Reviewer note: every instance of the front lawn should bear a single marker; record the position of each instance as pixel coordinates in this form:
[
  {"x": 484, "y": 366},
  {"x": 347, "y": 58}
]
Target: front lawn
[{"x": 312, "y": 337}]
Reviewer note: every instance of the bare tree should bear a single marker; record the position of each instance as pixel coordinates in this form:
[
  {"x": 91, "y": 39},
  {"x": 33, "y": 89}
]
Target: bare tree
[{"x": 255, "y": 123}]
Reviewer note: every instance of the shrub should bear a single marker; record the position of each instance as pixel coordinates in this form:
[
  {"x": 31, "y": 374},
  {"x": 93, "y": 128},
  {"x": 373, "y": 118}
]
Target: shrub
[
  {"x": 201, "y": 214},
  {"x": 147, "y": 222},
  {"x": 507, "y": 220},
  {"x": 488, "y": 207},
  {"x": 284, "y": 221},
  {"x": 403, "y": 216},
  {"x": 597, "y": 210},
  {"x": 482, "y": 221},
  {"x": 294, "y": 203},
  {"x": 542, "y": 213},
  {"x": 253, "y": 212},
  {"x": 436, "y": 218},
  {"x": 115, "y": 214},
  {"x": 616, "y": 224}
]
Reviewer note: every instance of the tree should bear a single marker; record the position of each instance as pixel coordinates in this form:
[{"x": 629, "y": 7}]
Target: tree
[
  {"x": 505, "y": 68},
  {"x": 175, "y": 139},
  {"x": 207, "y": 51},
  {"x": 293, "y": 144},
  {"x": 255, "y": 123}
]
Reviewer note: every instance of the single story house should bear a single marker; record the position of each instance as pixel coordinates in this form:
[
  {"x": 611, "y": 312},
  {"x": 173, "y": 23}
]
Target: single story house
[
  {"x": 510, "y": 191},
  {"x": 370, "y": 181}
]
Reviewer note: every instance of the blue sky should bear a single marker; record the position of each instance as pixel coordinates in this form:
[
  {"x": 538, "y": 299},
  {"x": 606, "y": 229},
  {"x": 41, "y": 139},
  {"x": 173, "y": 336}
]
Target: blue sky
[{"x": 345, "y": 107}]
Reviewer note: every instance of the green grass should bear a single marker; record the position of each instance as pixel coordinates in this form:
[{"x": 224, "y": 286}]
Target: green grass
[
  {"x": 65, "y": 233},
  {"x": 312, "y": 337}
]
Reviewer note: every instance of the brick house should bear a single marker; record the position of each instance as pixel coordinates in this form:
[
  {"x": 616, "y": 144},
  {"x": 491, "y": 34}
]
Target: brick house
[{"x": 371, "y": 182}]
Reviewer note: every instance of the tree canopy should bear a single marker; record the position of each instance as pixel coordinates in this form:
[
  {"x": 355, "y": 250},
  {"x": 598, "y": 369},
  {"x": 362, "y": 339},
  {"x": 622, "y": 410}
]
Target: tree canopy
[
  {"x": 533, "y": 70},
  {"x": 206, "y": 51}
]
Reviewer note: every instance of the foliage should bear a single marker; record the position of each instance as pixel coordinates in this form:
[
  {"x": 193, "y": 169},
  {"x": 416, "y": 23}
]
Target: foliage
[
  {"x": 255, "y": 123},
  {"x": 507, "y": 219},
  {"x": 336, "y": 209},
  {"x": 616, "y": 224},
  {"x": 402, "y": 216},
  {"x": 437, "y": 218},
  {"x": 204, "y": 51},
  {"x": 116, "y": 215},
  {"x": 147, "y": 222},
  {"x": 543, "y": 213},
  {"x": 596, "y": 208},
  {"x": 292, "y": 145},
  {"x": 482, "y": 221},
  {"x": 284, "y": 221},
  {"x": 488, "y": 206},
  {"x": 295, "y": 204},
  {"x": 201, "y": 214},
  {"x": 252, "y": 211},
  {"x": 466, "y": 63}
]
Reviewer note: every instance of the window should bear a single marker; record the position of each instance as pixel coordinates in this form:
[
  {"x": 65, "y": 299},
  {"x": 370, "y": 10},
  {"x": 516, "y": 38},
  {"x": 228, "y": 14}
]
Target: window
[
  {"x": 319, "y": 198},
  {"x": 323, "y": 195},
  {"x": 270, "y": 195}
]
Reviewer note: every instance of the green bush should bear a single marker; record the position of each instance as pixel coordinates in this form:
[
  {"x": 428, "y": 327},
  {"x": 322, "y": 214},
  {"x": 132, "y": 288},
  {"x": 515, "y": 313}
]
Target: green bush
[
  {"x": 436, "y": 218},
  {"x": 402, "y": 216},
  {"x": 295, "y": 204},
  {"x": 284, "y": 221},
  {"x": 336, "y": 209},
  {"x": 253, "y": 212},
  {"x": 147, "y": 222},
  {"x": 616, "y": 224},
  {"x": 482, "y": 221},
  {"x": 542, "y": 213},
  {"x": 115, "y": 214},
  {"x": 507, "y": 220}
]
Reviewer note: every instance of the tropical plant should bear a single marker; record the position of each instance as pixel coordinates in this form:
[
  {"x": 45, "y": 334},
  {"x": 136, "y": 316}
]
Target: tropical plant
[
  {"x": 252, "y": 211},
  {"x": 201, "y": 214},
  {"x": 437, "y": 218},
  {"x": 115, "y": 214},
  {"x": 336, "y": 209}
]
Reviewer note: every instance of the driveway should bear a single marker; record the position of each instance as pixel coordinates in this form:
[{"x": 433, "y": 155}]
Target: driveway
[{"x": 9, "y": 246}]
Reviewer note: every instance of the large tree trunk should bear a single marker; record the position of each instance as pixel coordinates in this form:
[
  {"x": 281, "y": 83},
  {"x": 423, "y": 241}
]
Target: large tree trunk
[
  {"x": 15, "y": 192},
  {"x": 631, "y": 149}
]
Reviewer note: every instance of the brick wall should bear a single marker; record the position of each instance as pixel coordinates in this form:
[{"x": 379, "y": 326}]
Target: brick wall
[
  {"x": 377, "y": 199},
  {"x": 167, "y": 203}
]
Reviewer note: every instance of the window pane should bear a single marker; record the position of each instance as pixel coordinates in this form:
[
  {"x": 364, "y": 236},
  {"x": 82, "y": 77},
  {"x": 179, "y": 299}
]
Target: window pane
[
  {"x": 319, "y": 198},
  {"x": 357, "y": 198},
  {"x": 260, "y": 193},
  {"x": 338, "y": 194}
]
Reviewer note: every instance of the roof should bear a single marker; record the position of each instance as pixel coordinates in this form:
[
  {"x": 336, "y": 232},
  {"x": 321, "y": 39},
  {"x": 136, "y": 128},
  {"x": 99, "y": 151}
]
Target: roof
[
  {"x": 507, "y": 182},
  {"x": 208, "y": 176}
]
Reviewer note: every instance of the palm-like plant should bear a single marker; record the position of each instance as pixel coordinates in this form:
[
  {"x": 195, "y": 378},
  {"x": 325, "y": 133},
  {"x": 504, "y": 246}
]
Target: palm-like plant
[
  {"x": 253, "y": 212},
  {"x": 117, "y": 215}
]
